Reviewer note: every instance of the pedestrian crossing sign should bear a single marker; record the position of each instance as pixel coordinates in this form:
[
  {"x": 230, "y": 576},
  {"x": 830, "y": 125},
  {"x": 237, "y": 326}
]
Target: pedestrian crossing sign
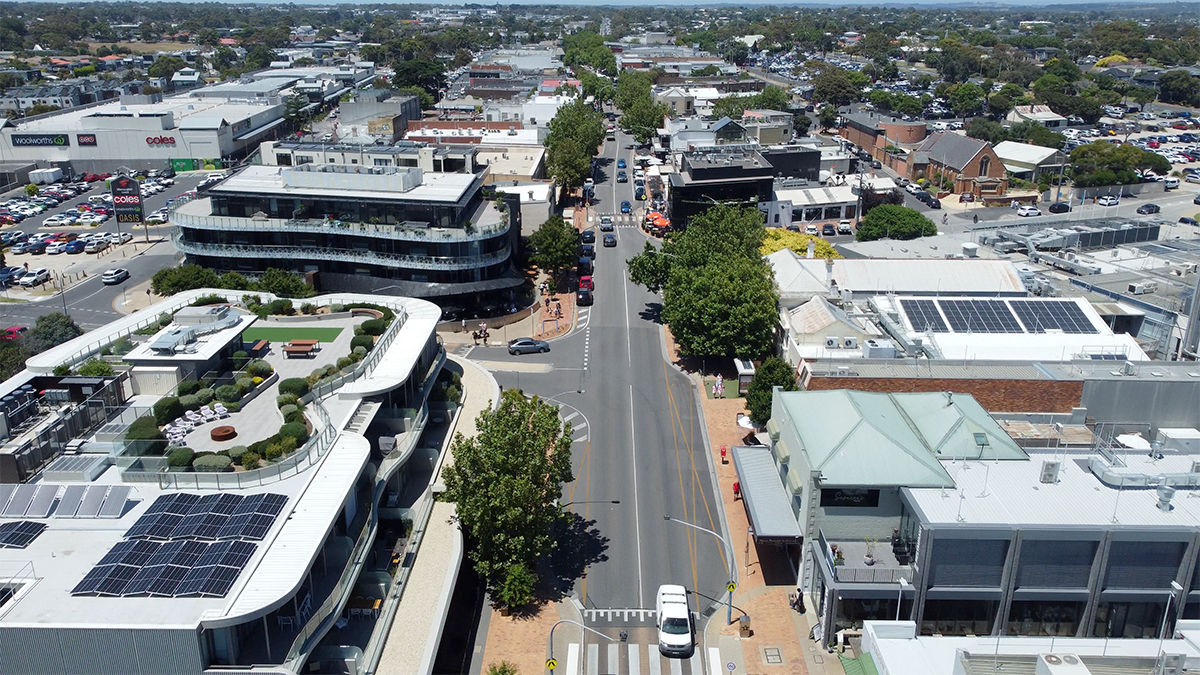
[
  {"x": 551, "y": 664},
  {"x": 731, "y": 587}
]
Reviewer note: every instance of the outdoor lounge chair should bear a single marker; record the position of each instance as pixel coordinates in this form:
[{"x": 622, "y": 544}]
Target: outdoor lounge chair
[
  {"x": 183, "y": 423},
  {"x": 221, "y": 410},
  {"x": 194, "y": 417},
  {"x": 208, "y": 413}
]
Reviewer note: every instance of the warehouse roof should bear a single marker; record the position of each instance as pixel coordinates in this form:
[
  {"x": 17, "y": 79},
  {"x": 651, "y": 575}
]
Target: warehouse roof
[{"x": 795, "y": 273}]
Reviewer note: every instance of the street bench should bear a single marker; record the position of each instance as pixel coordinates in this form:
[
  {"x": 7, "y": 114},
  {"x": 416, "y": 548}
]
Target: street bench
[{"x": 298, "y": 350}]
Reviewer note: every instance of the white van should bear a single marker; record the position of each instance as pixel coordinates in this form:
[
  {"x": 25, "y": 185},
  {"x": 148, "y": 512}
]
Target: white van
[{"x": 1170, "y": 183}]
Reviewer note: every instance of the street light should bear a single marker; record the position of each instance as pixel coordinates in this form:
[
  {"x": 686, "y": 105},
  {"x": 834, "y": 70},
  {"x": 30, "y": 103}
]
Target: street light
[
  {"x": 731, "y": 563},
  {"x": 900, "y": 598},
  {"x": 550, "y": 640}
]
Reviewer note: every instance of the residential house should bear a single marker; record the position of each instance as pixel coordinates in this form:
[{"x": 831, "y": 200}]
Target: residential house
[
  {"x": 678, "y": 99},
  {"x": 1042, "y": 114},
  {"x": 971, "y": 164}
]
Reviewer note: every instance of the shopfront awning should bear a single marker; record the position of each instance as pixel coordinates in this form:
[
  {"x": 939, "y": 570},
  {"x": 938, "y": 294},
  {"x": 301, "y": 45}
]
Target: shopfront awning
[{"x": 767, "y": 501}]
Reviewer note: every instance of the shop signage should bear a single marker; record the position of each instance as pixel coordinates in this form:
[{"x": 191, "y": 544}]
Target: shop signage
[
  {"x": 41, "y": 139},
  {"x": 127, "y": 199},
  {"x": 85, "y": 139},
  {"x": 160, "y": 140},
  {"x": 860, "y": 498}
]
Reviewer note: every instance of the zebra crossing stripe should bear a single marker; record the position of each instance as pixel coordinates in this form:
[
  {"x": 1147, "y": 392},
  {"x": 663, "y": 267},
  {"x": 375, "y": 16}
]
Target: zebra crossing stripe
[
  {"x": 593, "y": 659},
  {"x": 697, "y": 667},
  {"x": 635, "y": 664},
  {"x": 676, "y": 667},
  {"x": 572, "y": 659},
  {"x": 655, "y": 665},
  {"x": 714, "y": 661},
  {"x": 614, "y": 659}
]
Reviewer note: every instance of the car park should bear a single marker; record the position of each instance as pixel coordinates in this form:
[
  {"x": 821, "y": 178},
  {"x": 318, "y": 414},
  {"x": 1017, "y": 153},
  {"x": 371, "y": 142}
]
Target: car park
[
  {"x": 1026, "y": 211},
  {"x": 811, "y": 230},
  {"x": 34, "y": 277},
  {"x": 114, "y": 276},
  {"x": 527, "y": 346},
  {"x": 845, "y": 227},
  {"x": 76, "y": 246},
  {"x": 828, "y": 230},
  {"x": 1147, "y": 209},
  {"x": 120, "y": 237}
]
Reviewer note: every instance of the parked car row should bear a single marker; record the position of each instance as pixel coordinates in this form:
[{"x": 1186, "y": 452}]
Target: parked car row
[{"x": 63, "y": 242}]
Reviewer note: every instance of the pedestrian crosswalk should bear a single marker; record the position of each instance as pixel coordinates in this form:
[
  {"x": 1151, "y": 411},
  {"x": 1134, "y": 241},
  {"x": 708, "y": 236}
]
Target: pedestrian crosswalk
[
  {"x": 623, "y": 219},
  {"x": 619, "y": 658},
  {"x": 579, "y": 423}
]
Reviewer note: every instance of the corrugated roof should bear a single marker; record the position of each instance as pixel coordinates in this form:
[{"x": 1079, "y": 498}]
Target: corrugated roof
[
  {"x": 1024, "y": 153},
  {"x": 767, "y": 501},
  {"x": 795, "y": 273},
  {"x": 863, "y": 438}
]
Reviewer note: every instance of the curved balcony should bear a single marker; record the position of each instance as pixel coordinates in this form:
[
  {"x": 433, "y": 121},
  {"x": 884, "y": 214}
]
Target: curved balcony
[
  {"x": 341, "y": 255},
  {"x": 190, "y": 215}
]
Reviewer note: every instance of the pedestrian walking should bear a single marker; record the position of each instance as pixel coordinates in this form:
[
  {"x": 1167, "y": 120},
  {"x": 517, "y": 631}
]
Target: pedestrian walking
[
  {"x": 475, "y": 337},
  {"x": 464, "y": 325},
  {"x": 945, "y": 218},
  {"x": 976, "y": 218},
  {"x": 737, "y": 490}
]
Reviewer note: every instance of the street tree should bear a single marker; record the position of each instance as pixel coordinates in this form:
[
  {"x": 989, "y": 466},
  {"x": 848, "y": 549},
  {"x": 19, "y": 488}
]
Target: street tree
[
  {"x": 172, "y": 280},
  {"x": 725, "y": 308},
  {"x": 1143, "y": 96},
  {"x": 833, "y": 85},
  {"x": 894, "y": 222},
  {"x": 555, "y": 245},
  {"x": 1100, "y": 164},
  {"x": 774, "y": 372},
  {"x": 827, "y": 116},
  {"x": 723, "y": 231},
  {"x": 801, "y": 123},
  {"x": 51, "y": 330},
  {"x": 505, "y": 483},
  {"x": 575, "y": 136},
  {"x": 283, "y": 283},
  {"x": 967, "y": 97},
  {"x": 294, "y": 111}
]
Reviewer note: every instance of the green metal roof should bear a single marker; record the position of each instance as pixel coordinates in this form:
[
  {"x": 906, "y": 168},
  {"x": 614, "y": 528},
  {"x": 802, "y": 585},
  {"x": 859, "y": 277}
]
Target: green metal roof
[{"x": 857, "y": 438}]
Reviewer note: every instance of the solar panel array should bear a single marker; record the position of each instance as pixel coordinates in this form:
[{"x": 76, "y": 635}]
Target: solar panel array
[
  {"x": 1041, "y": 316},
  {"x": 20, "y": 533},
  {"x": 211, "y": 517},
  {"x": 167, "y": 569},
  {"x": 996, "y": 316},
  {"x": 36, "y": 500}
]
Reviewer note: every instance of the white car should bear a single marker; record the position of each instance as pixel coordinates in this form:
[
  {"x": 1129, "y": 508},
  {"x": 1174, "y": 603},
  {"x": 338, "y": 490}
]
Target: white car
[
  {"x": 1109, "y": 200},
  {"x": 60, "y": 219},
  {"x": 1192, "y": 178},
  {"x": 56, "y": 248},
  {"x": 34, "y": 277},
  {"x": 1028, "y": 211},
  {"x": 119, "y": 237},
  {"x": 95, "y": 246},
  {"x": 673, "y": 617},
  {"x": 157, "y": 218},
  {"x": 912, "y": 188},
  {"x": 90, "y": 219},
  {"x": 114, "y": 276}
]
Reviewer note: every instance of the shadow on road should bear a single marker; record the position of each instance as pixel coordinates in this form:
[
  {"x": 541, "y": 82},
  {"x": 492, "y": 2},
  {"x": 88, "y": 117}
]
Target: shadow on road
[
  {"x": 652, "y": 312},
  {"x": 580, "y": 544}
]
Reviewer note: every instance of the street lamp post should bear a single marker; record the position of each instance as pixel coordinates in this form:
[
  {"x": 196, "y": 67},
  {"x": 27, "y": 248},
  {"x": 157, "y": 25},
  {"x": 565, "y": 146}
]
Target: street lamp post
[
  {"x": 550, "y": 640},
  {"x": 732, "y": 564}
]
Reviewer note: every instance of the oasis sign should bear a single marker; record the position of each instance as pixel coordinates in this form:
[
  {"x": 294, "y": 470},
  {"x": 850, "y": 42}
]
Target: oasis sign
[
  {"x": 41, "y": 139},
  {"x": 127, "y": 199}
]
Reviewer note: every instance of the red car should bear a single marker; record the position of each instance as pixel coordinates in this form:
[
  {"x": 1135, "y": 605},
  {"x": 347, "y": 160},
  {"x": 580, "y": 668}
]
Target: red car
[
  {"x": 587, "y": 284},
  {"x": 1180, "y": 125},
  {"x": 12, "y": 333}
]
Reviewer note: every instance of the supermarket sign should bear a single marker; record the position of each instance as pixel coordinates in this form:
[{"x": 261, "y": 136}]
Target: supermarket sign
[{"x": 41, "y": 140}]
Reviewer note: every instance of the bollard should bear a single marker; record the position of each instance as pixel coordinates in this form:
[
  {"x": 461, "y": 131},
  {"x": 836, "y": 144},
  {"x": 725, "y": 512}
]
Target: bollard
[{"x": 744, "y": 626}]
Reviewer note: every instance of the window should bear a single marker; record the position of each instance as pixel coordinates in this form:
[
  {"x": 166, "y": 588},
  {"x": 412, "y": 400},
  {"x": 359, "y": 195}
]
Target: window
[
  {"x": 382, "y": 162},
  {"x": 984, "y": 165},
  {"x": 303, "y": 159}
]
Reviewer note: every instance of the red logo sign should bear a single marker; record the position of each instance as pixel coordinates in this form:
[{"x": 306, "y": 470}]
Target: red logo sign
[
  {"x": 127, "y": 199},
  {"x": 86, "y": 139},
  {"x": 160, "y": 140}
]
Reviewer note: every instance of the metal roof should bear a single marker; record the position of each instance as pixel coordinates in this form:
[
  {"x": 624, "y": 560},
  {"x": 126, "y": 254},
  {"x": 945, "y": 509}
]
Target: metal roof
[
  {"x": 951, "y": 149},
  {"x": 767, "y": 501},
  {"x": 864, "y": 438}
]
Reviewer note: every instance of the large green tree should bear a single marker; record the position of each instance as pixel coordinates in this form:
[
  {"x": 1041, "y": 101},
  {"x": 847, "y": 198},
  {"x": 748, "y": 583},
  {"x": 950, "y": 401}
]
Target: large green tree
[
  {"x": 166, "y": 66},
  {"x": 1101, "y": 163},
  {"x": 774, "y": 372},
  {"x": 575, "y": 135},
  {"x": 719, "y": 294},
  {"x": 894, "y": 222},
  {"x": 1178, "y": 86},
  {"x": 505, "y": 483},
  {"x": 833, "y": 85},
  {"x": 555, "y": 245}
]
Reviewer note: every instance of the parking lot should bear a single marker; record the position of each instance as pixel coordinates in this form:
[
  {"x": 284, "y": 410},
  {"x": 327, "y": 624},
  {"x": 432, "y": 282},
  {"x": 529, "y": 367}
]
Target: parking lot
[{"x": 72, "y": 267}]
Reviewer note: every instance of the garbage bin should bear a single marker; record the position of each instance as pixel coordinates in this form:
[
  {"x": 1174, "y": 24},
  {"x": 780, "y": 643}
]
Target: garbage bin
[{"x": 744, "y": 626}]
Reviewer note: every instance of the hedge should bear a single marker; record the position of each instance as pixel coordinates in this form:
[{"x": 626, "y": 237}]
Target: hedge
[
  {"x": 245, "y": 384},
  {"x": 294, "y": 430},
  {"x": 288, "y": 410},
  {"x": 188, "y": 387},
  {"x": 365, "y": 341},
  {"x": 373, "y": 326},
  {"x": 359, "y": 352},
  {"x": 295, "y": 416},
  {"x": 229, "y": 393},
  {"x": 249, "y": 460},
  {"x": 166, "y": 409},
  {"x": 144, "y": 429},
  {"x": 213, "y": 463},
  {"x": 206, "y": 395},
  {"x": 286, "y": 399},
  {"x": 293, "y": 385},
  {"x": 259, "y": 367},
  {"x": 237, "y": 451},
  {"x": 181, "y": 457},
  {"x": 240, "y": 359},
  {"x": 189, "y": 402}
]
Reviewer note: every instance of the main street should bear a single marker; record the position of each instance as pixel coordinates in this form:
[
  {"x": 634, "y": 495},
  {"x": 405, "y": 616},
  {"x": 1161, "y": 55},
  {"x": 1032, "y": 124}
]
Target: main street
[{"x": 640, "y": 450}]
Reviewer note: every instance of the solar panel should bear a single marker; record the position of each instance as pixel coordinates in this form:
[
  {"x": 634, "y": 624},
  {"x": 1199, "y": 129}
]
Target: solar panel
[
  {"x": 115, "y": 581},
  {"x": 20, "y": 500},
  {"x": 226, "y": 504},
  {"x": 1040, "y": 316},
  {"x": 92, "y": 501},
  {"x": 114, "y": 506},
  {"x": 164, "y": 527},
  {"x": 43, "y": 501},
  {"x": 165, "y": 569},
  {"x": 69, "y": 504},
  {"x": 6, "y": 492},
  {"x": 19, "y": 534},
  {"x": 980, "y": 316},
  {"x": 923, "y": 315}
]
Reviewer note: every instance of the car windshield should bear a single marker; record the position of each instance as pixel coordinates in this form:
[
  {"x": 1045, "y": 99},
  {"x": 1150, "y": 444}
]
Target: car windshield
[{"x": 675, "y": 626}]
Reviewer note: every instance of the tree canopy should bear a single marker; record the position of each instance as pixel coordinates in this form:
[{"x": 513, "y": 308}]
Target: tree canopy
[
  {"x": 575, "y": 135},
  {"x": 1102, "y": 163},
  {"x": 774, "y": 372},
  {"x": 505, "y": 483},
  {"x": 894, "y": 222},
  {"x": 555, "y": 245},
  {"x": 777, "y": 239},
  {"x": 833, "y": 85},
  {"x": 719, "y": 294}
]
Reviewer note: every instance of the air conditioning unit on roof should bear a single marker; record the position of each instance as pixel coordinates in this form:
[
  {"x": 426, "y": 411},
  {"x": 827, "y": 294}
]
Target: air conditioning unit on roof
[{"x": 831, "y": 342}]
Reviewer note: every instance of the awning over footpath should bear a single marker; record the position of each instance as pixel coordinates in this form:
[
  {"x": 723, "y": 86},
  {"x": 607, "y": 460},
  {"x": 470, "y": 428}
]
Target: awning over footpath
[{"x": 768, "y": 503}]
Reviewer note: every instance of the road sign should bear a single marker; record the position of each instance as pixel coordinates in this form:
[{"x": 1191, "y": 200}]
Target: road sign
[
  {"x": 731, "y": 587},
  {"x": 731, "y": 666},
  {"x": 551, "y": 664},
  {"x": 127, "y": 199}
]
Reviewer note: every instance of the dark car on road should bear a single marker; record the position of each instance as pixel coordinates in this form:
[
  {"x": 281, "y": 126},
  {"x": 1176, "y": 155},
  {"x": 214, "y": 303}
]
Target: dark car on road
[
  {"x": 934, "y": 203},
  {"x": 588, "y": 237},
  {"x": 626, "y": 207},
  {"x": 620, "y": 163},
  {"x": 1059, "y": 207},
  {"x": 584, "y": 297},
  {"x": 1147, "y": 209},
  {"x": 622, "y": 177},
  {"x": 588, "y": 251},
  {"x": 527, "y": 346},
  {"x": 610, "y": 240}
]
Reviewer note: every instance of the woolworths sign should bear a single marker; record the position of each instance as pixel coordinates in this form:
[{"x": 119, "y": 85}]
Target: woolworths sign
[{"x": 40, "y": 140}]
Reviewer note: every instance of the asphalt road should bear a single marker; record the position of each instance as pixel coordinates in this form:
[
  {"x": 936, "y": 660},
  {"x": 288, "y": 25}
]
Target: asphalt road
[
  {"x": 639, "y": 447},
  {"x": 89, "y": 302}
]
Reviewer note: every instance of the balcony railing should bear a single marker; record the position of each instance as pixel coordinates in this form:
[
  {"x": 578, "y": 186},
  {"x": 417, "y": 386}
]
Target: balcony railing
[
  {"x": 406, "y": 231},
  {"x": 420, "y": 262},
  {"x": 872, "y": 575}
]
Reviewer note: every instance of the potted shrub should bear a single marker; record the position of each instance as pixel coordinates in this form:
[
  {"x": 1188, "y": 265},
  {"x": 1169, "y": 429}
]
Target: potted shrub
[{"x": 869, "y": 558}]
